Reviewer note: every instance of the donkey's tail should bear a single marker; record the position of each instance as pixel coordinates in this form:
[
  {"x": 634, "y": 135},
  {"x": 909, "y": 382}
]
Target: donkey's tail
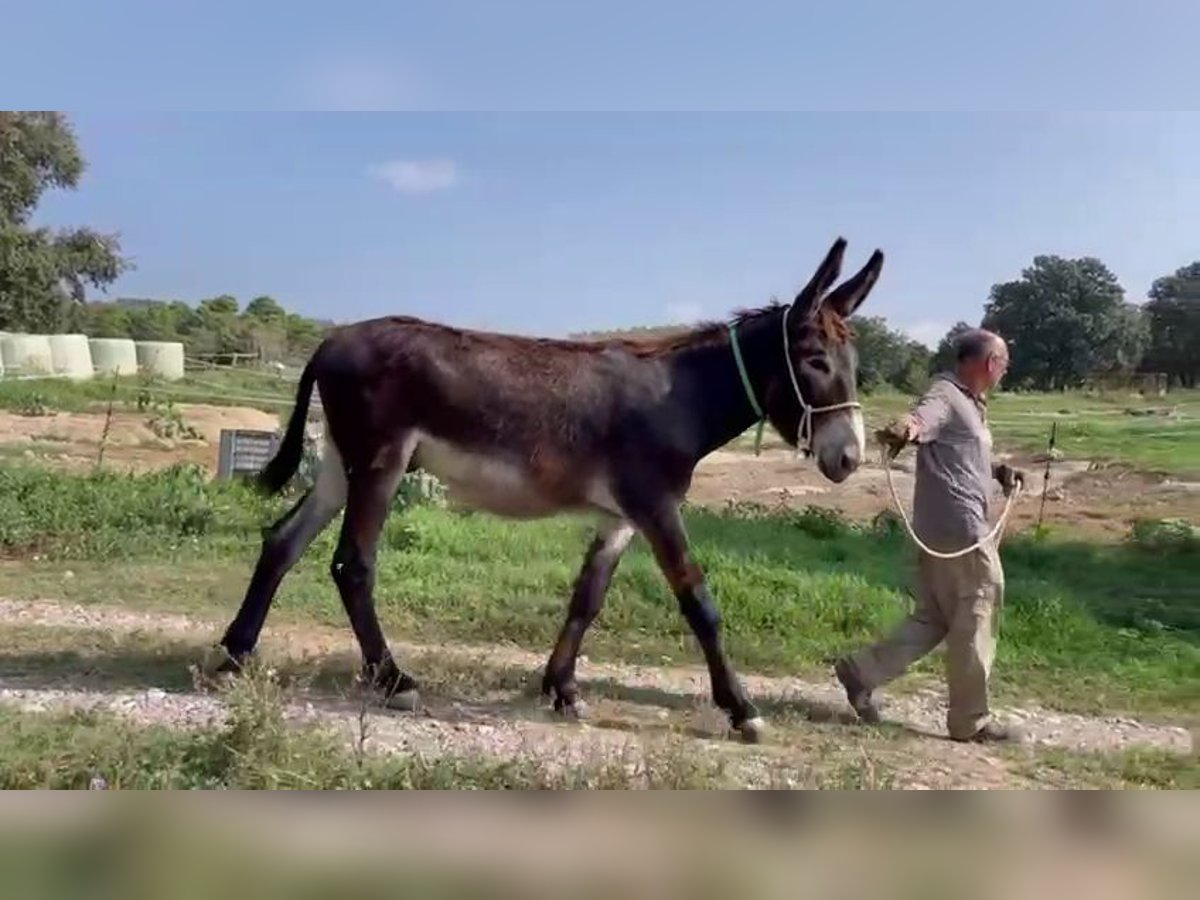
[{"x": 286, "y": 461}]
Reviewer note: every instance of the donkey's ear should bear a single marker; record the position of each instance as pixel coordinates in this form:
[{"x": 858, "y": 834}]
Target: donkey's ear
[
  {"x": 808, "y": 301},
  {"x": 849, "y": 295}
]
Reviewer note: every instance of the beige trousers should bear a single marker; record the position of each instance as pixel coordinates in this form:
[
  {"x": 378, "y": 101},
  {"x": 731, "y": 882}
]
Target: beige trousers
[{"x": 958, "y": 600}]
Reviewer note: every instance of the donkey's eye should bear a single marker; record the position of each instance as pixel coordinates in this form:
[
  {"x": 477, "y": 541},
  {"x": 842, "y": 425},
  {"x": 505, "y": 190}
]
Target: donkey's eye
[{"x": 820, "y": 363}]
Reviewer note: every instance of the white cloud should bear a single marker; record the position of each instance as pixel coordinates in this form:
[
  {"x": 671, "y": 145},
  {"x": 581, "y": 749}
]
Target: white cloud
[
  {"x": 417, "y": 176},
  {"x": 928, "y": 333},
  {"x": 684, "y": 313}
]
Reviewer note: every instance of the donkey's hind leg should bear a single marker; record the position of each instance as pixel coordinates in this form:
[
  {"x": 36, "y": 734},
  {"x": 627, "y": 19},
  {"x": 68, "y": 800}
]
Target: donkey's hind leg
[
  {"x": 587, "y": 598},
  {"x": 283, "y": 544},
  {"x": 369, "y": 500}
]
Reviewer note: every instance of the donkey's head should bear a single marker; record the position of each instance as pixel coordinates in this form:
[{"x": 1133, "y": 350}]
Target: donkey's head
[{"x": 818, "y": 409}]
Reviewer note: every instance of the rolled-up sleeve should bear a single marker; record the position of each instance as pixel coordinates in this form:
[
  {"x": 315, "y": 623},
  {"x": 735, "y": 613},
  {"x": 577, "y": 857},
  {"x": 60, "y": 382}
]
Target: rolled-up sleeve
[{"x": 930, "y": 414}]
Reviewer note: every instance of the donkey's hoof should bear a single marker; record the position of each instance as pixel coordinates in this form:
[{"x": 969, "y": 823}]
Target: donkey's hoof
[
  {"x": 405, "y": 701},
  {"x": 753, "y": 730},
  {"x": 218, "y": 668},
  {"x": 575, "y": 711}
]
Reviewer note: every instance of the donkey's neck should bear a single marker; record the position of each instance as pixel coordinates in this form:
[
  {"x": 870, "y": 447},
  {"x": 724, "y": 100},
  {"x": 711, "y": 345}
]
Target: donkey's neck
[{"x": 718, "y": 401}]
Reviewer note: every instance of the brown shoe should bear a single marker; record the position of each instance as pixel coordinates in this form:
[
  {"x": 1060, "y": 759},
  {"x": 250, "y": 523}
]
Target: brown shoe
[
  {"x": 857, "y": 693},
  {"x": 993, "y": 732}
]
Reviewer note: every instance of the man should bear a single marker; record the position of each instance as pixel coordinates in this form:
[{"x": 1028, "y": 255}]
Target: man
[{"x": 957, "y": 600}]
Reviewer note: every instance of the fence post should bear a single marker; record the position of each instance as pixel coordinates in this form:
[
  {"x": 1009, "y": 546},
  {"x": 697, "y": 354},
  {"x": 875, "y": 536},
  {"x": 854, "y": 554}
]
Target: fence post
[{"x": 107, "y": 422}]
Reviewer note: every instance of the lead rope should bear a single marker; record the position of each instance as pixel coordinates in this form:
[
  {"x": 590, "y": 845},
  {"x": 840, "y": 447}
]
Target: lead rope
[{"x": 993, "y": 536}]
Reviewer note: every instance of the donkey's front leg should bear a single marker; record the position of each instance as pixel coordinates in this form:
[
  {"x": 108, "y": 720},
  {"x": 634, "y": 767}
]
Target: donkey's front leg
[
  {"x": 663, "y": 528},
  {"x": 587, "y": 598}
]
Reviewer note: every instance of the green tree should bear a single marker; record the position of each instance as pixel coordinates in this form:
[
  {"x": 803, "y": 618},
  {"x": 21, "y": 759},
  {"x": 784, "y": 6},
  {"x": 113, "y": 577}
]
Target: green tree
[
  {"x": 107, "y": 320},
  {"x": 914, "y": 376},
  {"x": 43, "y": 272},
  {"x": 1173, "y": 317},
  {"x": 154, "y": 323},
  {"x": 887, "y": 357},
  {"x": 945, "y": 357},
  {"x": 303, "y": 335},
  {"x": 1064, "y": 319},
  {"x": 224, "y": 305},
  {"x": 266, "y": 309}
]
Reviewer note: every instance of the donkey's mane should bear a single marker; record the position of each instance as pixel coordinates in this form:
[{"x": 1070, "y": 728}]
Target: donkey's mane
[
  {"x": 833, "y": 327},
  {"x": 706, "y": 334}
]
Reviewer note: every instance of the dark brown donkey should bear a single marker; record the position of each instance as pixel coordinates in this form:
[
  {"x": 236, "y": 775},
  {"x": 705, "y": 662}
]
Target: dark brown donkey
[{"x": 526, "y": 428}]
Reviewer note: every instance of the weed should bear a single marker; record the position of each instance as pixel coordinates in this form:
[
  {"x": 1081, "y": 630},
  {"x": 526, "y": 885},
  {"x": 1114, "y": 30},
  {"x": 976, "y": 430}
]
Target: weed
[
  {"x": 1165, "y": 535},
  {"x": 32, "y": 404},
  {"x": 167, "y": 422},
  {"x": 1135, "y": 768}
]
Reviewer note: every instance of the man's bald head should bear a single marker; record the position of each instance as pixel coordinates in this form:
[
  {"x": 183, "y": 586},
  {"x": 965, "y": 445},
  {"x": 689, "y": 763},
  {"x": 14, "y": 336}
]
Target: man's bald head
[
  {"x": 982, "y": 359},
  {"x": 977, "y": 343}
]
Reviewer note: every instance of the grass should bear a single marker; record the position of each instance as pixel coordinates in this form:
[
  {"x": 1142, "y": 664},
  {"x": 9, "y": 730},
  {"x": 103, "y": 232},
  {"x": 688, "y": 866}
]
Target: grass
[
  {"x": 1136, "y": 768},
  {"x": 1090, "y": 426},
  {"x": 256, "y": 749},
  {"x": 1084, "y": 628},
  {"x": 250, "y": 387}
]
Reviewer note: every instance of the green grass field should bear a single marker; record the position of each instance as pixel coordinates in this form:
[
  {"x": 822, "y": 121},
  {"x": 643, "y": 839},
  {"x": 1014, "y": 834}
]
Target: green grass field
[
  {"x": 229, "y": 387},
  {"x": 1090, "y": 426},
  {"x": 1158, "y": 434},
  {"x": 1085, "y": 628}
]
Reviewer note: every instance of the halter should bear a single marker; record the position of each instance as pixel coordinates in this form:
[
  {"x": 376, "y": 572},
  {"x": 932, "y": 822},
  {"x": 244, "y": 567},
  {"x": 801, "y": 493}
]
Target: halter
[{"x": 804, "y": 431}]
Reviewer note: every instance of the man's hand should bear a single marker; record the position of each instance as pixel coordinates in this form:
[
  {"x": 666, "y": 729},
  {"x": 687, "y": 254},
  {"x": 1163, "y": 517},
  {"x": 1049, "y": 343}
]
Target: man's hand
[
  {"x": 895, "y": 435},
  {"x": 1009, "y": 478}
]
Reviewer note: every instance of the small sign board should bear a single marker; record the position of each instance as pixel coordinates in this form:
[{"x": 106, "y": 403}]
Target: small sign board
[{"x": 244, "y": 451}]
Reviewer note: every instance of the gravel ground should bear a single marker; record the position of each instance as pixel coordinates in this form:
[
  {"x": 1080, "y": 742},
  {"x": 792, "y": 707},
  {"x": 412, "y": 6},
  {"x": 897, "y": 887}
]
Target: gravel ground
[{"x": 511, "y": 727}]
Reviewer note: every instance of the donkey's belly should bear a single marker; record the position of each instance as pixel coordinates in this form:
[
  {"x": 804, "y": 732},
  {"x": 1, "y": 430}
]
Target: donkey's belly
[{"x": 484, "y": 482}]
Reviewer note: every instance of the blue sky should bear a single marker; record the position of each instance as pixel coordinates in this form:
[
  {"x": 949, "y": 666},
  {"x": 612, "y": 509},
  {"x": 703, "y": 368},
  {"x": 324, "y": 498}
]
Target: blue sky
[
  {"x": 502, "y": 190},
  {"x": 556, "y": 222},
  {"x": 617, "y": 55}
]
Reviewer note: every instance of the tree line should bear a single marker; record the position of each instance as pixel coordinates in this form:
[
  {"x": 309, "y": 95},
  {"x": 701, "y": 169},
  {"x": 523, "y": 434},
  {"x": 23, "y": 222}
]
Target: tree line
[
  {"x": 1066, "y": 320},
  {"x": 45, "y": 274},
  {"x": 214, "y": 328}
]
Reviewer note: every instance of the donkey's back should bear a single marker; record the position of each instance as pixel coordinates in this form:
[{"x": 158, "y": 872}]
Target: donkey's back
[{"x": 512, "y": 425}]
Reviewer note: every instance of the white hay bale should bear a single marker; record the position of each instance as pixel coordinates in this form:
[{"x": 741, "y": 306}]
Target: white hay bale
[
  {"x": 114, "y": 356},
  {"x": 71, "y": 355},
  {"x": 161, "y": 358},
  {"x": 27, "y": 354}
]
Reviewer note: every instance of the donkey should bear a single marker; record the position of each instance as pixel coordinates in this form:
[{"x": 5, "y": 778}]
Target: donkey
[{"x": 529, "y": 427}]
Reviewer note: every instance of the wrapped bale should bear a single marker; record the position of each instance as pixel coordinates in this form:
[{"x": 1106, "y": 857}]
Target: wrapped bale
[
  {"x": 27, "y": 354},
  {"x": 71, "y": 356},
  {"x": 163, "y": 359},
  {"x": 114, "y": 356}
]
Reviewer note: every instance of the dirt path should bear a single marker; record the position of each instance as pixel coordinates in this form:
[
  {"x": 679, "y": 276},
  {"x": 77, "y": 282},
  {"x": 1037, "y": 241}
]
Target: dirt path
[
  {"x": 478, "y": 701},
  {"x": 72, "y": 439},
  {"x": 1091, "y": 501}
]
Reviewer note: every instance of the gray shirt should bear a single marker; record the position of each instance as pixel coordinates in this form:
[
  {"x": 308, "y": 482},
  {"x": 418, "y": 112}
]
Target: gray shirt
[{"x": 954, "y": 466}]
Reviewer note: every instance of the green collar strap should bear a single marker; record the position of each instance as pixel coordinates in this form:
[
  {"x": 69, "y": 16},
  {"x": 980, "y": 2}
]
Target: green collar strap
[{"x": 741, "y": 367}]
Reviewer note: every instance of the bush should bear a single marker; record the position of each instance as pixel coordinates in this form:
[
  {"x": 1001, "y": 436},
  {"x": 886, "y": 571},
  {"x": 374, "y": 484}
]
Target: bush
[
  {"x": 1169, "y": 535},
  {"x": 821, "y": 522},
  {"x": 109, "y": 514}
]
